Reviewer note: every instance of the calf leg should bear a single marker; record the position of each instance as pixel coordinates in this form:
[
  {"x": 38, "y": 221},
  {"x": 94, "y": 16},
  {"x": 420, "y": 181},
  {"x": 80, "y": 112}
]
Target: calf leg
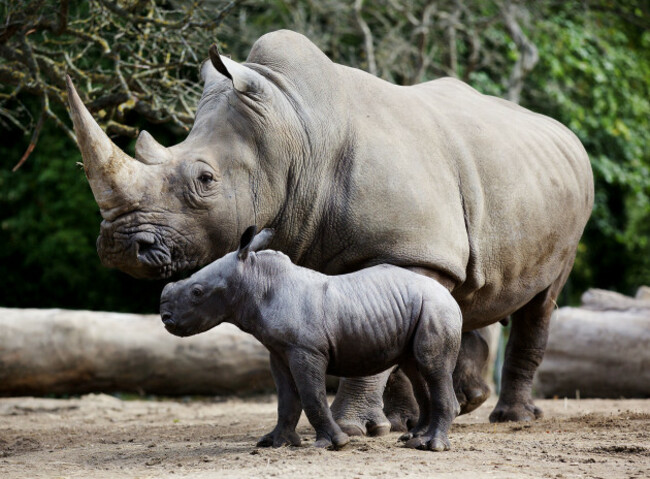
[
  {"x": 435, "y": 350},
  {"x": 309, "y": 371},
  {"x": 358, "y": 406},
  {"x": 289, "y": 407},
  {"x": 524, "y": 353}
]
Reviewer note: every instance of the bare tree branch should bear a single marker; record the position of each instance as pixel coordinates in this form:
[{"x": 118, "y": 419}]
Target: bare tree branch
[
  {"x": 367, "y": 37},
  {"x": 528, "y": 55},
  {"x": 127, "y": 55}
]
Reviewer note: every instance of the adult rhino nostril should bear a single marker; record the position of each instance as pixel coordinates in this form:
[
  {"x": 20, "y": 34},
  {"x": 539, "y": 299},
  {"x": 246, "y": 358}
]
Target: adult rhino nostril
[{"x": 144, "y": 243}]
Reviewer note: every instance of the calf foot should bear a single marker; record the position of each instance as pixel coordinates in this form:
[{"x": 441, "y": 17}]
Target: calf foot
[
  {"x": 337, "y": 441},
  {"x": 437, "y": 441},
  {"x": 279, "y": 438},
  {"x": 519, "y": 411}
]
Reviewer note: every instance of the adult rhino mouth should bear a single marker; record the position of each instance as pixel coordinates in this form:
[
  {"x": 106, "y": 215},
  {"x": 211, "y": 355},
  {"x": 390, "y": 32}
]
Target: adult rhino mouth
[{"x": 142, "y": 252}]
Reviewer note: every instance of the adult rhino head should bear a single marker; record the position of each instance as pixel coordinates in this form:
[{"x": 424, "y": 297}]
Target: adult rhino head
[{"x": 173, "y": 209}]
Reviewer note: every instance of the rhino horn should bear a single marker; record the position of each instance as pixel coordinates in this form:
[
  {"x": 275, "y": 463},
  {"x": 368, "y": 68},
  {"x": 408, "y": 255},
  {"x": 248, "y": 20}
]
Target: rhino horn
[
  {"x": 113, "y": 175},
  {"x": 244, "y": 79},
  {"x": 149, "y": 151}
]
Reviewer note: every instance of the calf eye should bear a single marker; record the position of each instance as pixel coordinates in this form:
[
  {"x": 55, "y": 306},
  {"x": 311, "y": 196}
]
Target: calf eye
[{"x": 197, "y": 291}]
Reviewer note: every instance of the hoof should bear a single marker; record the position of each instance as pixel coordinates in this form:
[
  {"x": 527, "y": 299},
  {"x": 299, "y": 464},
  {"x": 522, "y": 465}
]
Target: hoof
[
  {"x": 277, "y": 439},
  {"x": 339, "y": 441},
  {"x": 352, "y": 429},
  {"x": 429, "y": 443},
  {"x": 402, "y": 423},
  {"x": 471, "y": 397},
  {"x": 379, "y": 429},
  {"x": 515, "y": 413},
  {"x": 376, "y": 425}
]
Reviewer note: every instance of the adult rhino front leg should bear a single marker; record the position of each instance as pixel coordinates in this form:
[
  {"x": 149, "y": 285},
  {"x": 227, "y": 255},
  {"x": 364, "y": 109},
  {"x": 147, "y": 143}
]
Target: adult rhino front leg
[{"x": 358, "y": 406}]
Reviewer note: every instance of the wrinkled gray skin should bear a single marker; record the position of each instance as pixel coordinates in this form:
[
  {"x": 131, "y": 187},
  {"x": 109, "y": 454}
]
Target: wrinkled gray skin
[
  {"x": 486, "y": 197},
  {"x": 357, "y": 324}
]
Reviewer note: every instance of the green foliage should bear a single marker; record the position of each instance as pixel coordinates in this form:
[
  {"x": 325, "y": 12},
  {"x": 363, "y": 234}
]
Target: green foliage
[{"x": 595, "y": 78}]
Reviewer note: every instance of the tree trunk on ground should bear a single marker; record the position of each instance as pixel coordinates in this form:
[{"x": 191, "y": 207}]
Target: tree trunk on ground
[
  {"x": 73, "y": 352},
  {"x": 598, "y": 350}
]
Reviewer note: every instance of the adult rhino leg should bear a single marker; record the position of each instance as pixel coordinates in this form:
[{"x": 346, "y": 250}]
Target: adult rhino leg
[
  {"x": 469, "y": 384},
  {"x": 358, "y": 406},
  {"x": 400, "y": 405},
  {"x": 524, "y": 353}
]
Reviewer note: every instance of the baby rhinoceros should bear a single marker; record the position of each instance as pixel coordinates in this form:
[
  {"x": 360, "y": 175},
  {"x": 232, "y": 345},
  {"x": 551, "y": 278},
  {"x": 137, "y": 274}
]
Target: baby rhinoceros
[{"x": 356, "y": 324}]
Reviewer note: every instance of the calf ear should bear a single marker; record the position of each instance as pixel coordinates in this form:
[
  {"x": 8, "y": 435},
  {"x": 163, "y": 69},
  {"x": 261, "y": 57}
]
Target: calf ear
[
  {"x": 262, "y": 239},
  {"x": 245, "y": 242}
]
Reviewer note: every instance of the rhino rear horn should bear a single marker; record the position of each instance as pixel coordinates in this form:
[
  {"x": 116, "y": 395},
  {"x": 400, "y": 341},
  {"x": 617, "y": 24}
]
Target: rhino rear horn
[{"x": 149, "y": 151}]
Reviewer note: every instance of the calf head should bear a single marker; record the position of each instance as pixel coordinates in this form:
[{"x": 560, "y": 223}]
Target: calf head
[
  {"x": 174, "y": 209},
  {"x": 214, "y": 293}
]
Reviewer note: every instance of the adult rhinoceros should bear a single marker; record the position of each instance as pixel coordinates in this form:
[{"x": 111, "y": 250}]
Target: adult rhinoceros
[{"x": 351, "y": 171}]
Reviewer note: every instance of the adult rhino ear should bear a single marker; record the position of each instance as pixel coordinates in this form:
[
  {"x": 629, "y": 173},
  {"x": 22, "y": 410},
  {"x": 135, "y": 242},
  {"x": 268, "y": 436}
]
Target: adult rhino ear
[
  {"x": 245, "y": 80},
  {"x": 245, "y": 242}
]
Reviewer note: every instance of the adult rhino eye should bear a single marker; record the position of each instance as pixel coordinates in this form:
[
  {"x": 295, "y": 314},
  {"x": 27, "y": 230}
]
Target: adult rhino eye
[
  {"x": 197, "y": 291},
  {"x": 206, "y": 177}
]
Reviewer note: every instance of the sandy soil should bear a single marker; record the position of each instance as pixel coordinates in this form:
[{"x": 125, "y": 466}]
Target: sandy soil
[{"x": 100, "y": 436}]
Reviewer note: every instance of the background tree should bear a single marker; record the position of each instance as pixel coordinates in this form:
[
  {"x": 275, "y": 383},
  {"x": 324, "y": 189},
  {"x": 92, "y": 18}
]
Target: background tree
[{"x": 136, "y": 63}]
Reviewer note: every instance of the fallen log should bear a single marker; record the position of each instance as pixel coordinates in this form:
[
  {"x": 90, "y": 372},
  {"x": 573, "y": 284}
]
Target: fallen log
[
  {"x": 57, "y": 351},
  {"x": 602, "y": 351},
  {"x": 603, "y": 300}
]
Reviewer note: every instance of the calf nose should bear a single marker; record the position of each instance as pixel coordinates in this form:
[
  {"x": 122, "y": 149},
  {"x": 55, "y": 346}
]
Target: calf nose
[{"x": 167, "y": 318}]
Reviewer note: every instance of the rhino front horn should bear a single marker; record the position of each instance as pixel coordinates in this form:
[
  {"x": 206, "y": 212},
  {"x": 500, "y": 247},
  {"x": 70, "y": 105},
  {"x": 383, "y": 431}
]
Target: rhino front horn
[{"x": 115, "y": 178}]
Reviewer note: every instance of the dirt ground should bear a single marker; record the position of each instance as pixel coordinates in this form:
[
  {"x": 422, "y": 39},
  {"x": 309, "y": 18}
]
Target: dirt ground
[{"x": 100, "y": 436}]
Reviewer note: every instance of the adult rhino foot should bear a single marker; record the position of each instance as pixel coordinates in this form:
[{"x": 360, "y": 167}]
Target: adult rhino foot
[
  {"x": 400, "y": 405},
  {"x": 471, "y": 390},
  {"x": 279, "y": 439},
  {"x": 521, "y": 411},
  {"x": 434, "y": 442},
  {"x": 338, "y": 441},
  {"x": 371, "y": 423},
  {"x": 472, "y": 394},
  {"x": 358, "y": 406}
]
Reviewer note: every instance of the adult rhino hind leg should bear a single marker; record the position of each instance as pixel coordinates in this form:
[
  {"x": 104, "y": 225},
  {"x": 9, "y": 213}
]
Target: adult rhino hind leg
[
  {"x": 524, "y": 353},
  {"x": 400, "y": 405},
  {"x": 358, "y": 406},
  {"x": 469, "y": 385}
]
